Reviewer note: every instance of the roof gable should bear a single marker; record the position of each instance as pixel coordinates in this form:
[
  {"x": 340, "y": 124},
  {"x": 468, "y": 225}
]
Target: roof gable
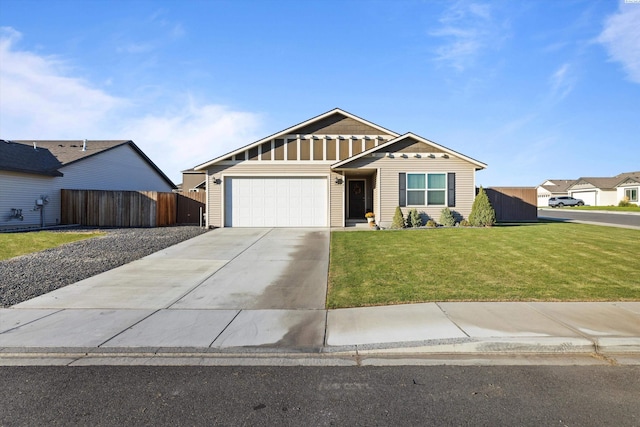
[
  {"x": 335, "y": 121},
  {"x": 67, "y": 152},
  {"x": 411, "y": 143}
]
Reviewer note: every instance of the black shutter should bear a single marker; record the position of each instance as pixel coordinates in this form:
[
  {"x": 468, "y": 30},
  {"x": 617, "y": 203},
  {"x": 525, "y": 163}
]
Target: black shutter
[
  {"x": 402, "y": 189},
  {"x": 451, "y": 188}
]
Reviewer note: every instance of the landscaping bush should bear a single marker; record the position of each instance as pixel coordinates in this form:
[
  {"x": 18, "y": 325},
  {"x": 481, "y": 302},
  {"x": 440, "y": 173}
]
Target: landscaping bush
[
  {"x": 431, "y": 224},
  {"x": 465, "y": 223},
  {"x": 624, "y": 203},
  {"x": 398, "y": 219},
  {"x": 482, "y": 213},
  {"x": 446, "y": 218},
  {"x": 414, "y": 219}
]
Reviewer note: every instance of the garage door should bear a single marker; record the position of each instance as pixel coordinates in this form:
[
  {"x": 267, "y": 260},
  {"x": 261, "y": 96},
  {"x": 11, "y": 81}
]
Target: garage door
[
  {"x": 588, "y": 197},
  {"x": 276, "y": 202}
]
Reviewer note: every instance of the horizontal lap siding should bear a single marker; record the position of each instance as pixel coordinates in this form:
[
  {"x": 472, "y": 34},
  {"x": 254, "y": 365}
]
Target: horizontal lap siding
[
  {"x": 216, "y": 206},
  {"x": 389, "y": 169}
]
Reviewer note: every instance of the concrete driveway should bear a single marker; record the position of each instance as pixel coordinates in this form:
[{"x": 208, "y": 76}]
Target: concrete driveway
[
  {"x": 223, "y": 269},
  {"x": 225, "y": 288}
]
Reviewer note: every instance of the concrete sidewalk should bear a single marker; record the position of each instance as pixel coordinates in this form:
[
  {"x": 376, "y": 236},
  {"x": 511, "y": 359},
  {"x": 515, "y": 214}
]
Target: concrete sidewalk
[{"x": 159, "y": 310}]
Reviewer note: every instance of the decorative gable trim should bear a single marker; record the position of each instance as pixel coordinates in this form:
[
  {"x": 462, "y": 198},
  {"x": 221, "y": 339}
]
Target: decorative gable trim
[{"x": 442, "y": 152}]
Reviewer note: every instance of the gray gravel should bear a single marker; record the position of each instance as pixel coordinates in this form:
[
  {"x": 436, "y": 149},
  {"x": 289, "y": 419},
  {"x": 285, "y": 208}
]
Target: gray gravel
[{"x": 28, "y": 276}]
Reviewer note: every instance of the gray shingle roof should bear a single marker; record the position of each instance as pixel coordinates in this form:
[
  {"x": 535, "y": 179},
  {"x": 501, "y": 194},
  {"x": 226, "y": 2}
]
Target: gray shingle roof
[
  {"x": 561, "y": 185},
  {"x": 23, "y": 158}
]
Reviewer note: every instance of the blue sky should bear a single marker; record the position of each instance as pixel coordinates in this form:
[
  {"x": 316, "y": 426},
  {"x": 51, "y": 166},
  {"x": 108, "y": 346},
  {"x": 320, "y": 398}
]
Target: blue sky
[{"x": 536, "y": 89}]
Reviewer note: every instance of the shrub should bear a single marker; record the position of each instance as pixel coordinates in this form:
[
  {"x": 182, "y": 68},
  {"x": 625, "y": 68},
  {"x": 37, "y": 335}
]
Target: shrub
[
  {"x": 413, "y": 219},
  {"x": 465, "y": 223},
  {"x": 446, "y": 218},
  {"x": 431, "y": 224},
  {"x": 398, "y": 219},
  {"x": 624, "y": 203},
  {"x": 482, "y": 213}
]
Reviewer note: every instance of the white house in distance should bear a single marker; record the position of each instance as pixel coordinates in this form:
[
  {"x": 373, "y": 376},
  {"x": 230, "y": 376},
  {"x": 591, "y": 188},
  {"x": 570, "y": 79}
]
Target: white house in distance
[
  {"x": 32, "y": 173},
  {"x": 552, "y": 188},
  {"x": 629, "y": 187}
]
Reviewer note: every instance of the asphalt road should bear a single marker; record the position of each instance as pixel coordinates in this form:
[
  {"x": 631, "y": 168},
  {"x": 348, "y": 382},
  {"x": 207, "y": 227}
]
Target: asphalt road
[
  {"x": 440, "y": 395},
  {"x": 608, "y": 218}
]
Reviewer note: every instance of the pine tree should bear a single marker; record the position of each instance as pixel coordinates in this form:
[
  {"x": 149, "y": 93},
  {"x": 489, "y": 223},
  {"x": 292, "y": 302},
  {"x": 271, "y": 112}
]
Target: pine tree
[
  {"x": 398, "y": 219},
  {"x": 413, "y": 219},
  {"x": 446, "y": 218},
  {"x": 482, "y": 213}
]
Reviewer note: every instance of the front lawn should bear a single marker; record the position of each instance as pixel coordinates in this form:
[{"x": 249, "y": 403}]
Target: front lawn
[
  {"x": 604, "y": 208},
  {"x": 15, "y": 244},
  {"x": 529, "y": 262}
]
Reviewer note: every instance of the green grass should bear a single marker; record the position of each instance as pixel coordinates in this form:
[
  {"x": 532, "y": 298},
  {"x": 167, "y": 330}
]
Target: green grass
[
  {"x": 604, "y": 208},
  {"x": 532, "y": 262},
  {"x": 16, "y": 244}
]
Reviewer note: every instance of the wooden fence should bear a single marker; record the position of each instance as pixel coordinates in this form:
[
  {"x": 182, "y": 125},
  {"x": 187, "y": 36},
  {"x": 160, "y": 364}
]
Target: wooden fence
[
  {"x": 102, "y": 208},
  {"x": 190, "y": 207},
  {"x": 514, "y": 203}
]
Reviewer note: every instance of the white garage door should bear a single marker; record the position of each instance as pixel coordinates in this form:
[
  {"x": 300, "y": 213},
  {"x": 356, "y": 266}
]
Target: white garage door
[
  {"x": 276, "y": 202},
  {"x": 588, "y": 197}
]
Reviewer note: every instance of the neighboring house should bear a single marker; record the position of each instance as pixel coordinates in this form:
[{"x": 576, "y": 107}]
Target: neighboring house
[
  {"x": 595, "y": 191},
  {"x": 332, "y": 169},
  {"x": 193, "y": 181},
  {"x": 628, "y": 187},
  {"x": 553, "y": 188},
  {"x": 32, "y": 173}
]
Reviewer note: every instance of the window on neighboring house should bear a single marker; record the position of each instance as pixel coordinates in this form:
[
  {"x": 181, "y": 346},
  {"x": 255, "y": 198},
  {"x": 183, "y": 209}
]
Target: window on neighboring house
[
  {"x": 631, "y": 193},
  {"x": 426, "y": 189}
]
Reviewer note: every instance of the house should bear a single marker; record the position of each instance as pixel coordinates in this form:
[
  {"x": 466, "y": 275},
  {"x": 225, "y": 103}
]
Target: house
[
  {"x": 332, "y": 169},
  {"x": 32, "y": 173},
  {"x": 553, "y": 188},
  {"x": 628, "y": 186},
  {"x": 599, "y": 191},
  {"x": 193, "y": 181}
]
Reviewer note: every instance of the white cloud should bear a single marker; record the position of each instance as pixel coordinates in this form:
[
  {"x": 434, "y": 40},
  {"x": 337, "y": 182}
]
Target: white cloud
[
  {"x": 468, "y": 29},
  {"x": 562, "y": 82},
  {"x": 41, "y": 99},
  {"x": 621, "y": 38}
]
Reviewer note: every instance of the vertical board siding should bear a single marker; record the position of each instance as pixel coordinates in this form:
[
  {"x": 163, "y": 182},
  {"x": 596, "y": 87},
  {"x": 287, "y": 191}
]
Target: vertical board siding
[
  {"x": 102, "y": 208},
  {"x": 514, "y": 203}
]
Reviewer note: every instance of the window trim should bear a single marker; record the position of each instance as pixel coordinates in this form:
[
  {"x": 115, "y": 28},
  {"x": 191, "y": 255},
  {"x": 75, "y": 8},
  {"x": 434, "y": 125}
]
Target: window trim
[
  {"x": 426, "y": 190},
  {"x": 629, "y": 195}
]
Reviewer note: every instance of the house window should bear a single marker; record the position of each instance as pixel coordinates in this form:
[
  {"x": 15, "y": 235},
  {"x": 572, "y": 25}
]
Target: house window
[
  {"x": 631, "y": 194},
  {"x": 426, "y": 189}
]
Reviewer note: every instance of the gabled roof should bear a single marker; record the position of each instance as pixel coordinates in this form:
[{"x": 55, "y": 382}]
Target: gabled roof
[
  {"x": 558, "y": 185},
  {"x": 292, "y": 130},
  {"x": 603, "y": 183},
  {"x": 628, "y": 177},
  {"x": 22, "y": 158},
  {"x": 382, "y": 147},
  {"x": 70, "y": 151}
]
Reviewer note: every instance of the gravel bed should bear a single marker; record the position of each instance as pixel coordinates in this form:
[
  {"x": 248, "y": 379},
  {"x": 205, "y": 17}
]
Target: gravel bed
[{"x": 28, "y": 276}]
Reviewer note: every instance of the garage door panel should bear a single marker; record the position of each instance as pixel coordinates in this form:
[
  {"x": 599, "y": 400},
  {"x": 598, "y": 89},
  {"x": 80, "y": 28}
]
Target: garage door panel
[{"x": 276, "y": 202}]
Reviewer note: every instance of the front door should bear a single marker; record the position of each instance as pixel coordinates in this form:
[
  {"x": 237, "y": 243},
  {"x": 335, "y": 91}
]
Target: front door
[{"x": 356, "y": 200}]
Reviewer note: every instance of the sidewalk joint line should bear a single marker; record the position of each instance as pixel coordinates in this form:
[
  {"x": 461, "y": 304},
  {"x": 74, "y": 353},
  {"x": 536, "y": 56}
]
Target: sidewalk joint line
[
  {"x": 128, "y": 327},
  {"x": 225, "y": 328}
]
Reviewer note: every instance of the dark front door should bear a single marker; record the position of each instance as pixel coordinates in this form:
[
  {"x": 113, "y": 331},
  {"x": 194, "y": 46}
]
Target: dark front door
[{"x": 356, "y": 198}]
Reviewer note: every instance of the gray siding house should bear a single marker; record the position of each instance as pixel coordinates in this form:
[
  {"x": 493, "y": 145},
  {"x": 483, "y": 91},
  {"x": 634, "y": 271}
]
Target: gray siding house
[
  {"x": 32, "y": 173},
  {"x": 332, "y": 169}
]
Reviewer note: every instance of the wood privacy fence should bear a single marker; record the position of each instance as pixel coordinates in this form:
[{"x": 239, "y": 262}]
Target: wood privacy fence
[
  {"x": 514, "y": 203},
  {"x": 102, "y": 208}
]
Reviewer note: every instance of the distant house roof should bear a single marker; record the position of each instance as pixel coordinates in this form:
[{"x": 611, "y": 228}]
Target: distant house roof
[
  {"x": 558, "y": 185},
  {"x": 16, "y": 157},
  {"x": 70, "y": 151},
  {"x": 603, "y": 183},
  {"x": 629, "y": 177}
]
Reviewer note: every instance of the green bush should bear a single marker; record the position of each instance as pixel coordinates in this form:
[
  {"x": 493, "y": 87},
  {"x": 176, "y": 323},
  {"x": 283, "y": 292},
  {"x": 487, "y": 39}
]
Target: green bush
[
  {"x": 446, "y": 218},
  {"x": 431, "y": 224},
  {"x": 482, "y": 213},
  {"x": 398, "y": 219},
  {"x": 624, "y": 203},
  {"x": 413, "y": 219},
  {"x": 465, "y": 223}
]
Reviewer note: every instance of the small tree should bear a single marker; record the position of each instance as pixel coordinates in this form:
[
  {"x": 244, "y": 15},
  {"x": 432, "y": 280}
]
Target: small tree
[
  {"x": 482, "y": 213},
  {"x": 446, "y": 218},
  {"x": 398, "y": 219},
  {"x": 414, "y": 219}
]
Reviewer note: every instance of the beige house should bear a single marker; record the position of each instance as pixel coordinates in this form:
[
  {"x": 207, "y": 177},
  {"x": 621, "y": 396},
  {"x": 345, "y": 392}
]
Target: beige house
[
  {"x": 553, "y": 188},
  {"x": 329, "y": 171}
]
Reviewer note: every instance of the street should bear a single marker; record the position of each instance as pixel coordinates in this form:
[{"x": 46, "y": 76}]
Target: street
[
  {"x": 607, "y": 218},
  {"x": 407, "y": 395}
]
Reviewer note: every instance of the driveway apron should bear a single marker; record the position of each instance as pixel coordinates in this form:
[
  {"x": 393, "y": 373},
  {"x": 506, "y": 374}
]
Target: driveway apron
[{"x": 262, "y": 287}]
